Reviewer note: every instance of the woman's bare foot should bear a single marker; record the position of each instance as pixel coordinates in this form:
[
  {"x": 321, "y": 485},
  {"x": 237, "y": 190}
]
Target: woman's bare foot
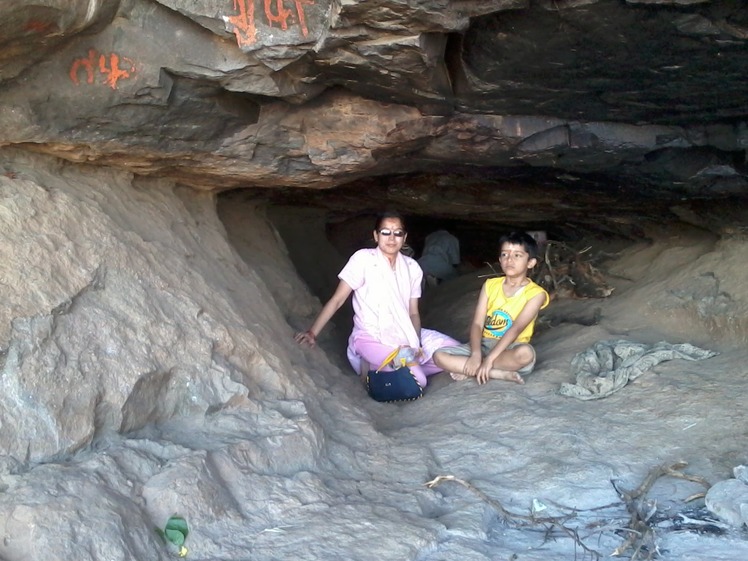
[{"x": 508, "y": 375}]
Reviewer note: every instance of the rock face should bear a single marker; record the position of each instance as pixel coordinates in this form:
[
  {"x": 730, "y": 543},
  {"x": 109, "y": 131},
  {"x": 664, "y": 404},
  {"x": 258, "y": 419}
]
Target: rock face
[
  {"x": 728, "y": 500},
  {"x": 148, "y": 368},
  {"x": 640, "y": 97},
  {"x": 127, "y": 309},
  {"x": 147, "y": 362},
  {"x": 109, "y": 311}
]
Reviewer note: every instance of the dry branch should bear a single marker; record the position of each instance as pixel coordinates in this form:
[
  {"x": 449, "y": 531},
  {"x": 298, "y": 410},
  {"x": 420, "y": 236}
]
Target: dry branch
[
  {"x": 641, "y": 534},
  {"x": 565, "y": 271},
  {"x": 550, "y": 523}
]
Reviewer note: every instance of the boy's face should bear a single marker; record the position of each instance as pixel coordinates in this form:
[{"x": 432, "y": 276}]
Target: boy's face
[{"x": 514, "y": 259}]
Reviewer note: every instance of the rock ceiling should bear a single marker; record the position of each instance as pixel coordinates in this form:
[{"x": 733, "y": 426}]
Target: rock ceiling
[{"x": 547, "y": 111}]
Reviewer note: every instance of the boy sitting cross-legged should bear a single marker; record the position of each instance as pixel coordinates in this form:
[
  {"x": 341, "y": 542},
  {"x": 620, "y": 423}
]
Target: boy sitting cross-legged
[{"x": 504, "y": 320}]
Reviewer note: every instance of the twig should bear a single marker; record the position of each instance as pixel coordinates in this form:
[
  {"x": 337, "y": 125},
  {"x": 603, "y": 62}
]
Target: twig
[
  {"x": 550, "y": 268},
  {"x": 640, "y": 533},
  {"x": 508, "y": 517},
  {"x": 493, "y": 272},
  {"x": 694, "y": 497}
]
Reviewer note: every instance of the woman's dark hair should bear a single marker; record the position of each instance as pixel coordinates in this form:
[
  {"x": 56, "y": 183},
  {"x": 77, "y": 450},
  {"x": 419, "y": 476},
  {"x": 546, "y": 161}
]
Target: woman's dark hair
[
  {"x": 382, "y": 216},
  {"x": 521, "y": 238}
]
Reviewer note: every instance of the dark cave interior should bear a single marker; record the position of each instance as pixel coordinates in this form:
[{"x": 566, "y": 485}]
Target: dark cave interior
[{"x": 478, "y": 205}]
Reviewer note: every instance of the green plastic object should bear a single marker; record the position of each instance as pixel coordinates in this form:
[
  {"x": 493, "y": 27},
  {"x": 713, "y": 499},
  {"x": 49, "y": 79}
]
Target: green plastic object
[{"x": 176, "y": 532}]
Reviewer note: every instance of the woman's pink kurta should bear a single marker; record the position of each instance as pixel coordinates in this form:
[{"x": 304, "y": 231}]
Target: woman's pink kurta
[{"x": 381, "y": 306}]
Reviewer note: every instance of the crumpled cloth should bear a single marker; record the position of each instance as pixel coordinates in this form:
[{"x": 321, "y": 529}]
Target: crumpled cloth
[{"x": 607, "y": 366}]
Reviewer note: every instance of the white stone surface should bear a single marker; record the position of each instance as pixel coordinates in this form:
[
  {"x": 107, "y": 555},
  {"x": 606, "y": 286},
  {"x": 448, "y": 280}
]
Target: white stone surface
[{"x": 728, "y": 499}]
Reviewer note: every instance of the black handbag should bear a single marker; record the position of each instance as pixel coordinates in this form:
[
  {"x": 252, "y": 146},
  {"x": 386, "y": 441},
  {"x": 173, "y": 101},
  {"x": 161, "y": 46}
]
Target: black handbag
[{"x": 393, "y": 385}]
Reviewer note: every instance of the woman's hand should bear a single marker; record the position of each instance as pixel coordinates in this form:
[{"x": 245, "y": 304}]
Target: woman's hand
[{"x": 306, "y": 338}]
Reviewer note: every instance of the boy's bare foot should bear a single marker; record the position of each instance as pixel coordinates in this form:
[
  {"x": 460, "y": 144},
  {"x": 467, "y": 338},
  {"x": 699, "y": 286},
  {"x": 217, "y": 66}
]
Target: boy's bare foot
[{"x": 507, "y": 375}]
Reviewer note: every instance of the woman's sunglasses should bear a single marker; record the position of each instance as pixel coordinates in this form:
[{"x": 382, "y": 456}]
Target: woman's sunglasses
[{"x": 396, "y": 233}]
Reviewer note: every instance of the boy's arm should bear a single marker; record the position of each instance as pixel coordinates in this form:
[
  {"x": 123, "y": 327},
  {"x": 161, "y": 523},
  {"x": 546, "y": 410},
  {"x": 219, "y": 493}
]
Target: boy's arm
[
  {"x": 479, "y": 318},
  {"x": 528, "y": 313},
  {"x": 476, "y": 334}
]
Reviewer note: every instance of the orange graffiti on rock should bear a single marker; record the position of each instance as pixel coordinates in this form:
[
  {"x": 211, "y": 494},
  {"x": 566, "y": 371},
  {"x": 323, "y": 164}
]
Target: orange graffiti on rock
[
  {"x": 87, "y": 64},
  {"x": 114, "y": 73},
  {"x": 281, "y": 17},
  {"x": 108, "y": 67},
  {"x": 300, "y": 13},
  {"x": 244, "y": 23}
]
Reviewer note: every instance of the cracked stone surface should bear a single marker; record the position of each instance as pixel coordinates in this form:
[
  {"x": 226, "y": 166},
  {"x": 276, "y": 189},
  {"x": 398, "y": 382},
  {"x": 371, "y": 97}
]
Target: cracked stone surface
[{"x": 180, "y": 183}]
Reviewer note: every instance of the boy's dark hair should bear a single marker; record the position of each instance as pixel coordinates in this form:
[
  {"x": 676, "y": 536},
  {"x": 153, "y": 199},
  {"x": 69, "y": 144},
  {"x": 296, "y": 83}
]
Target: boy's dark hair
[
  {"x": 521, "y": 238},
  {"x": 382, "y": 216}
]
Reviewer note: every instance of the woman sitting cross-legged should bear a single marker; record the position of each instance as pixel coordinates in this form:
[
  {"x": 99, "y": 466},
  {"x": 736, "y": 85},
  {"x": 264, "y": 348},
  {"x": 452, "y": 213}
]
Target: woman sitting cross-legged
[{"x": 386, "y": 287}]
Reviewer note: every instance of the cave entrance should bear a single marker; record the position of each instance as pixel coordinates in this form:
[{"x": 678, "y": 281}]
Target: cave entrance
[
  {"x": 637, "y": 255},
  {"x": 321, "y": 229}
]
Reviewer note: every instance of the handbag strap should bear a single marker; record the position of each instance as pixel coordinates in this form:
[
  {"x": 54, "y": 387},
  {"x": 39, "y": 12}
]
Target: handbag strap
[{"x": 390, "y": 358}]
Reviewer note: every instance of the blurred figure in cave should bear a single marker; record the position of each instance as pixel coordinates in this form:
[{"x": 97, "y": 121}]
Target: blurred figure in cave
[{"x": 440, "y": 257}]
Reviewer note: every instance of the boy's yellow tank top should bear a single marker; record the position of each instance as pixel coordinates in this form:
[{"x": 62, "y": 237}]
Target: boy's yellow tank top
[{"x": 502, "y": 311}]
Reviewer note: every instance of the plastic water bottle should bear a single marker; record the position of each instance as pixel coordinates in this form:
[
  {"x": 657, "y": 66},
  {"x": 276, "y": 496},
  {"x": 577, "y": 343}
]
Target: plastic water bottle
[{"x": 406, "y": 356}]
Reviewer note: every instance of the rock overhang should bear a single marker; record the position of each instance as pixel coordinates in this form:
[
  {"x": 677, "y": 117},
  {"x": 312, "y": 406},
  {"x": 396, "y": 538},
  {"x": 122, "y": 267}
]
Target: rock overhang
[{"x": 615, "y": 106}]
